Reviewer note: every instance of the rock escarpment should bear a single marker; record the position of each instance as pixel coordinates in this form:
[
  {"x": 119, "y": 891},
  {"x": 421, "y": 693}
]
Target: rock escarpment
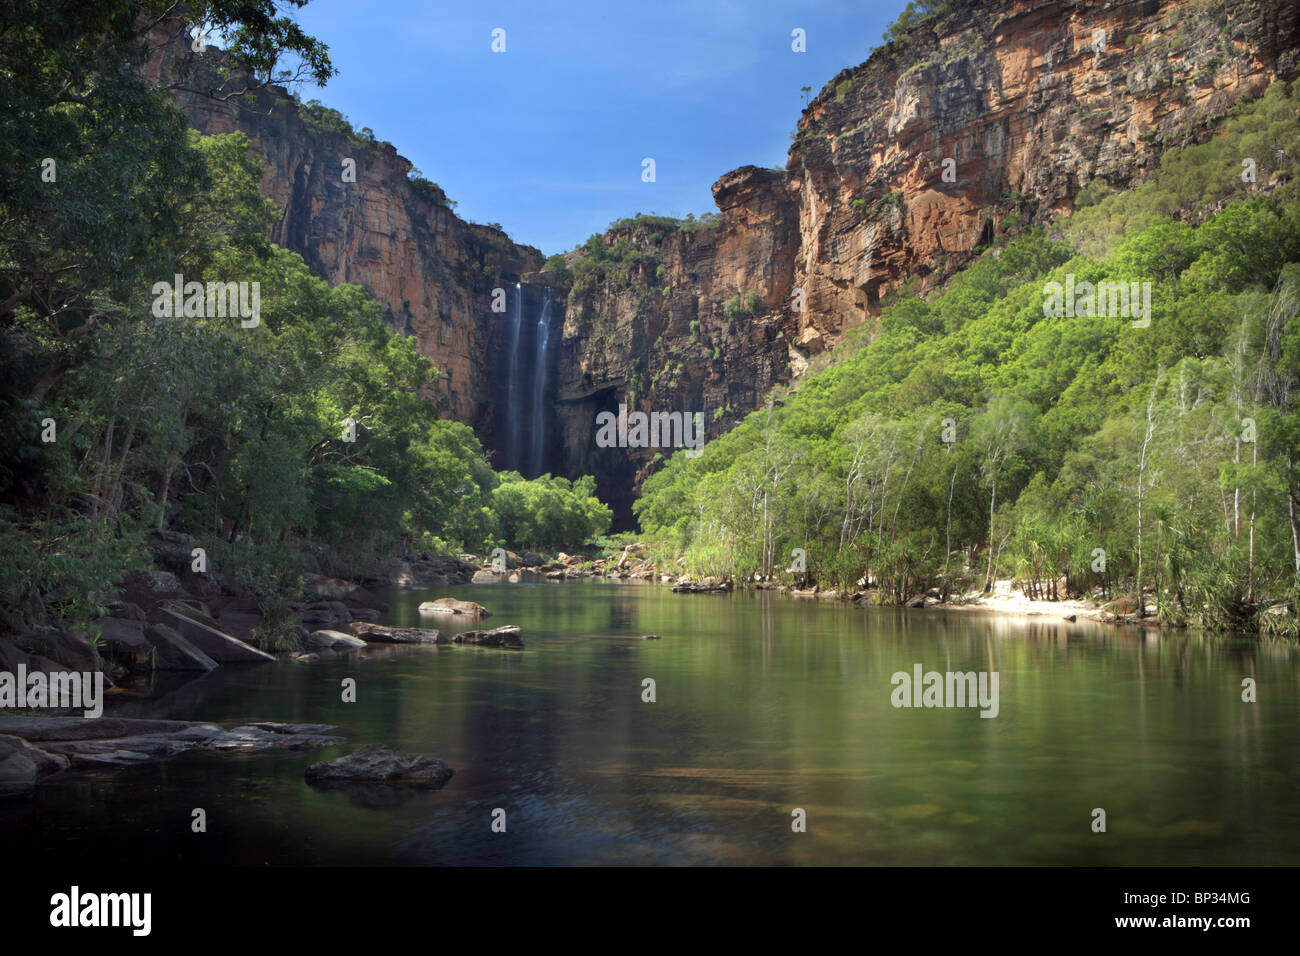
[
  {"x": 1022, "y": 104},
  {"x": 979, "y": 121},
  {"x": 433, "y": 272}
]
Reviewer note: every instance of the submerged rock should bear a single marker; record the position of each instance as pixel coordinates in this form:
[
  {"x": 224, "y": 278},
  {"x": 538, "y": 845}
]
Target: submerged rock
[{"x": 379, "y": 763}]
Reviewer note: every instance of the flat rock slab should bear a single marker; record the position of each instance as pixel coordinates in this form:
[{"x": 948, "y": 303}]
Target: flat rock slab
[
  {"x": 219, "y": 646},
  {"x": 706, "y": 586},
  {"x": 453, "y": 606},
  {"x": 82, "y": 728},
  {"x": 379, "y": 763},
  {"x": 258, "y": 737},
  {"x": 332, "y": 640},
  {"x": 173, "y": 652},
  {"x": 119, "y": 742},
  {"x": 380, "y": 634},
  {"x": 507, "y": 636}
]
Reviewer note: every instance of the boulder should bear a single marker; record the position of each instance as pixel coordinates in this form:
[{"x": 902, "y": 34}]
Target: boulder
[
  {"x": 450, "y": 606},
  {"x": 123, "y": 641},
  {"x": 11, "y": 657},
  {"x": 21, "y": 765},
  {"x": 507, "y": 636},
  {"x": 217, "y": 645},
  {"x": 332, "y": 640},
  {"x": 331, "y": 589},
  {"x": 240, "y": 617},
  {"x": 127, "y": 610},
  {"x": 172, "y": 652},
  {"x": 380, "y": 763},
  {"x": 70, "y": 648},
  {"x": 484, "y": 576},
  {"x": 171, "y": 550},
  {"x": 380, "y": 634},
  {"x": 359, "y": 597},
  {"x": 147, "y": 588},
  {"x": 325, "y": 614}
]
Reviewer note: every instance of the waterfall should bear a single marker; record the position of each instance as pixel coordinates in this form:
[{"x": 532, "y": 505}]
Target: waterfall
[
  {"x": 512, "y": 383},
  {"x": 539, "y": 387}
]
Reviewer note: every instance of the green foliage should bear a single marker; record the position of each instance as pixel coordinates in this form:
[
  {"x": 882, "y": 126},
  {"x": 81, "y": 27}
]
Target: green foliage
[
  {"x": 548, "y": 511},
  {"x": 330, "y": 120},
  {"x": 1066, "y": 437},
  {"x": 428, "y": 190},
  {"x": 743, "y": 307},
  {"x": 1265, "y": 130},
  {"x": 558, "y": 267},
  {"x": 915, "y": 13},
  {"x": 238, "y": 436}
]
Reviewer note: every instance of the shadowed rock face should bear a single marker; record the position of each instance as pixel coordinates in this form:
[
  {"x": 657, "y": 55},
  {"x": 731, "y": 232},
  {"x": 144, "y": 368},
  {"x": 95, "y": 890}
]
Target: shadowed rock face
[{"x": 1030, "y": 99}]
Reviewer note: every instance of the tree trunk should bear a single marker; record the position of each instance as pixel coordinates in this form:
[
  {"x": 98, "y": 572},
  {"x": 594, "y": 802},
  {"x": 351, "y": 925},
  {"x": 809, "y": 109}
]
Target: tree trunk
[{"x": 988, "y": 578}]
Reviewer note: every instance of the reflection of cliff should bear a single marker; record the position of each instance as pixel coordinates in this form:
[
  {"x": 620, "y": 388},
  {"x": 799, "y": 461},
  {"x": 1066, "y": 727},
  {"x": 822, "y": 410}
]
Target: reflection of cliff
[{"x": 1029, "y": 100}]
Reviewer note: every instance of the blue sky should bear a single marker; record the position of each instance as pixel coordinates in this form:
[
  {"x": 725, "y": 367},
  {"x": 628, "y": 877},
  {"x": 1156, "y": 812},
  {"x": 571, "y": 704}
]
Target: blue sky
[{"x": 548, "y": 138}]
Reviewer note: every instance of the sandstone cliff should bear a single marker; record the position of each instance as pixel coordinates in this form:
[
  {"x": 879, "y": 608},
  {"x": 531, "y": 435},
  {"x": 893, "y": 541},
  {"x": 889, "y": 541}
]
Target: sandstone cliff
[
  {"x": 1031, "y": 100},
  {"x": 982, "y": 120},
  {"x": 1028, "y": 100},
  {"x": 433, "y": 272}
]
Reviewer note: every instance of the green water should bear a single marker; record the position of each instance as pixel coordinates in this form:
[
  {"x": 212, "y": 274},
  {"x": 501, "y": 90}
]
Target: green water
[{"x": 764, "y": 704}]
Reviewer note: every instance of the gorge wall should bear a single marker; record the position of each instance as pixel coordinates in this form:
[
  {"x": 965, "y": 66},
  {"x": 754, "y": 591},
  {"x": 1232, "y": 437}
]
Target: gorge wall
[
  {"x": 1030, "y": 100},
  {"x": 433, "y": 272}
]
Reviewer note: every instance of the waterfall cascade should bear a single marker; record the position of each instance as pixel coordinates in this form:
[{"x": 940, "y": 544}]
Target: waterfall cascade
[
  {"x": 525, "y": 365},
  {"x": 513, "y": 424},
  {"x": 538, "y": 434}
]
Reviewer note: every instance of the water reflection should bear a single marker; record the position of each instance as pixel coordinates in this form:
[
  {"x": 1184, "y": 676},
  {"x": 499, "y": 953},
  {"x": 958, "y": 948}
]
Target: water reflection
[{"x": 763, "y": 705}]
